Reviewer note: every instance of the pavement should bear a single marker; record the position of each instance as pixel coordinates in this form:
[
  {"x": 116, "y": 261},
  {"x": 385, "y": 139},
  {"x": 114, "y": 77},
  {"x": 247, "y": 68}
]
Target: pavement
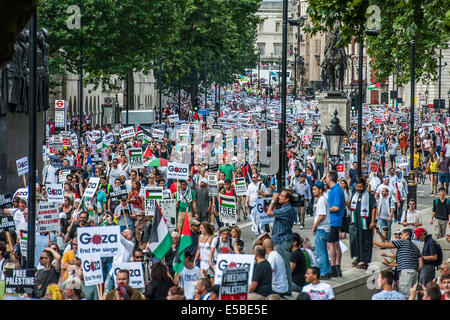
[{"x": 424, "y": 205}]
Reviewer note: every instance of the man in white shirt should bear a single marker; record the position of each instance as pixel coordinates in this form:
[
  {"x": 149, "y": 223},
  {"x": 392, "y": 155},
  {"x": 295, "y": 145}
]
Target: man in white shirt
[
  {"x": 385, "y": 207},
  {"x": 279, "y": 277},
  {"x": 321, "y": 228},
  {"x": 412, "y": 217},
  {"x": 114, "y": 171},
  {"x": 124, "y": 166},
  {"x": 315, "y": 289},
  {"x": 125, "y": 248}
]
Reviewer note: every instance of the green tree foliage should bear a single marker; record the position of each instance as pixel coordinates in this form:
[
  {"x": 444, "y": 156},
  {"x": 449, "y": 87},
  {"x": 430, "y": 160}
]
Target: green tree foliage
[{"x": 398, "y": 20}]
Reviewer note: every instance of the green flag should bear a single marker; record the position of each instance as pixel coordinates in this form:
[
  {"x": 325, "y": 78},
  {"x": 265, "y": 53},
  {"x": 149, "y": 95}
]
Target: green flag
[{"x": 185, "y": 242}]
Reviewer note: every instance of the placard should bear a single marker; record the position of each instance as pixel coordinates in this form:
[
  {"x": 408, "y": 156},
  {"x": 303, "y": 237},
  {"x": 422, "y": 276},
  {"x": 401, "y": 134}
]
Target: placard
[
  {"x": 19, "y": 280},
  {"x": 227, "y": 209},
  {"x": 23, "y": 242},
  {"x": 151, "y": 195},
  {"x": 212, "y": 184},
  {"x": 22, "y": 166},
  {"x": 92, "y": 269},
  {"x": 227, "y": 260},
  {"x": 47, "y": 217},
  {"x": 240, "y": 186},
  {"x": 234, "y": 285},
  {"x": 173, "y": 118},
  {"x": 261, "y": 211},
  {"x": 127, "y": 133},
  {"x": 5, "y": 201},
  {"x": 374, "y": 162},
  {"x": 92, "y": 187},
  {"x": 177, "y": 171},
  {"x": 169, "y": 211},
  {"x": 7, "y": 224},
  {"x": 108, "y": 138},
  {"x": 103, "y": 241},
  {"x": 316, "y": 139},
  {"x": 22, "y": 193},
  {"x": 62, "y": 175},
  {"x": 136, "y": 273},
  {"x": 135, "y": 158}
]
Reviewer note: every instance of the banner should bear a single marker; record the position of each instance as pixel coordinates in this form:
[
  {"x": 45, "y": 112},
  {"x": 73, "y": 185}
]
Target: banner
[
  {"x": 92, "y": 187},
  {"x": 7, "y": 224},
  {"x": 227, "y": 209},
  {"x": 173, "y": 118},
  {"x": 23, "y": 236},
  {"x": 19, "y": 280},
  {"x": 135, "y": 158},
  {"x": 104, "y": 241},
  {"x": 158, "y": 134},
  {"x": 178, "y": 171},
  {"x": 151, "y": 195},
  {"x": 47, "y": 217},
  {"x": 92, "y": 269},
  {"x": 136, "y": 273},
  {"x": 374, "y": 162},
  {"x": 62, "y": 175},
  {"x": 22, "y": 166},
  {"x": 169, "y": 211},
  {"x": 5, "y": 201},
  {"x": 234, "y": 284},
  {"x": 108, "y": 138},
  {"x": 212, "y": 184},
  {"x": 261, "y": 211},
  {"x": 127, "y": 132},
  {"x": 21, "y": 193},
  {"x": 240, "y": 186},
  {"x": 227, "y": 260}
]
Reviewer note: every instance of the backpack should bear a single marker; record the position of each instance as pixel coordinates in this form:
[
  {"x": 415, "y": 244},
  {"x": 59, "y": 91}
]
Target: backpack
[
  {"x": 230, "y": 243},
  {"x": 438, "y": 262},
  {"x": 447, "y": 202}
]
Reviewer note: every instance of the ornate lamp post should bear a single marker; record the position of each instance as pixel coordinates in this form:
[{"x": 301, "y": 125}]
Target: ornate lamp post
[{"x": 334, "y": 136}]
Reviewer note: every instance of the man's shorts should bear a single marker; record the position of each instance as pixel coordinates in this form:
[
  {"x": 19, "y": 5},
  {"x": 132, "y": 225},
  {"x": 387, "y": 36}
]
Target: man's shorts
[
  {"x": 443, "y": 177},
  {"x": 333, "y": 235}
]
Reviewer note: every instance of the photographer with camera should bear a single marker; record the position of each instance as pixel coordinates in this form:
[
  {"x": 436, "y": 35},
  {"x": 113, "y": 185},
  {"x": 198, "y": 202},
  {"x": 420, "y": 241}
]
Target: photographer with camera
[
  {"x": 282, "y": 227},
  {"x": 304, "y": 190}
]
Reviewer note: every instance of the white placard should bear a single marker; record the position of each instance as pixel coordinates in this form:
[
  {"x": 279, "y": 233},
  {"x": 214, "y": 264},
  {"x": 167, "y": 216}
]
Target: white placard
[
  {"x": 178, "y": 171},
  {"x": 92, "y": 269},
  {"x": 169, "y": 211},
  {"x": 47, "y": 217},
  {"x": 136, "y": 273},
  {"x": 108, "y": 138},
  {"x": 126, "y": 133},
  {"x": 103, "y": 241},
  {"x": 240, "y": 186},
  {"x": 233, "y": 260},
  {"x": 22, "y": 193},
  {"x": 261, "y": 211},
  {"x": 92, "y": 187},
  {"x": 55, "y": 193},
  {"x": 22, "y": 166}
]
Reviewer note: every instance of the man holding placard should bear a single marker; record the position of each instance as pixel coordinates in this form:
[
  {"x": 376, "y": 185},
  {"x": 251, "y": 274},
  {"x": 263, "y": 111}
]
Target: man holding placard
[{"x": 186, "y": 202}]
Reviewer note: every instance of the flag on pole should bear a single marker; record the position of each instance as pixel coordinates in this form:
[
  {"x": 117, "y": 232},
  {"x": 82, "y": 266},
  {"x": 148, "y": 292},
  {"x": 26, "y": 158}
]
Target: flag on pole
[
  {"x": 138, "y": 132},
  {"x": 185, "y": 242},
  {"x": 146, "y": 135},
  {"x": 160, "y": 240},
  {"x": 148, "y": 153},
  {"x": 374, "y": 86}
]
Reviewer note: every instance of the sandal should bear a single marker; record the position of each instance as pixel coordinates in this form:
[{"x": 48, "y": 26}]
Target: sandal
[
  {"x": 355, "y": 263},
  {"x": 362, "y": 266}
]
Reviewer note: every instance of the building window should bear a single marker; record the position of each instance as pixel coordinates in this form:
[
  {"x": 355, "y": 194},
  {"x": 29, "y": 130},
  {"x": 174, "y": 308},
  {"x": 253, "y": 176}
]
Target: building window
[
  {"x": 277, "y": 27},
  {"x": 261, "y": 26},
  {"x": 291, "y": 48},
  {"x": 262, "y": 48},
  {"x": 291, "y": 28},
  {"x": 317, "y": 46},
  {"x": 277, "y": 49}
]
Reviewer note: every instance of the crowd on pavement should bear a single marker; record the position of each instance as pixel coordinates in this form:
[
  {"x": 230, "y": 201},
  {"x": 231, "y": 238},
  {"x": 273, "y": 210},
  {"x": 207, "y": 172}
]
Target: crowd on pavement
[{"x": 226, "y": 168}]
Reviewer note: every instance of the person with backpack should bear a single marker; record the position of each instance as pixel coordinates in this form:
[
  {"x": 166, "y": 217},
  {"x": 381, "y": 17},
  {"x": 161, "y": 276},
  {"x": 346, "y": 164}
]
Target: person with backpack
[
  {"x": 431, "y": 255},
  {"x": 223, "y": 243},
  {"x": 440, "y": 214}
]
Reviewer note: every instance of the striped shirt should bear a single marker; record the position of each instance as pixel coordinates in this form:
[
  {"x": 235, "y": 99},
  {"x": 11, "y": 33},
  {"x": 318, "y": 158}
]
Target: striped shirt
[
  {"x": 282, "y": 227},
  {"x": 407, "y": 254}
]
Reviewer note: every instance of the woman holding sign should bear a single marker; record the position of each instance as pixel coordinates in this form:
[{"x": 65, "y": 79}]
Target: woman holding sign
[{"x": 134, "y": 198}]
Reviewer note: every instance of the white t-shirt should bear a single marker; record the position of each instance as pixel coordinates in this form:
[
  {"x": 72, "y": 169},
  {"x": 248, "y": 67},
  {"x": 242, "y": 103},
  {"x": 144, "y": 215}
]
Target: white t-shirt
[
  {"x": 188, "y": 281},
  {"x": 279, "y": 277},
  {"x": 320, "y": 291},
  {"x": 412, "y": 217},
  {"x": 323, "y": 209},
  {"x": 390, "y": 190},
  {"x": 126, "y": 248},
  {"x": 447, "y": 150},
  {"x": 51, "y": 175},
  {"x": 114, "y": 174},
  {"x": 223, "y": 247},
  {"x": 252, "y": 192}
]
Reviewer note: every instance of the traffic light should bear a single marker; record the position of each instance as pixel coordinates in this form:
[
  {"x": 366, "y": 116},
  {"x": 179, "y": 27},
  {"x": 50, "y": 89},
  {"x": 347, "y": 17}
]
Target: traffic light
[{"x": 195, "y": 107}]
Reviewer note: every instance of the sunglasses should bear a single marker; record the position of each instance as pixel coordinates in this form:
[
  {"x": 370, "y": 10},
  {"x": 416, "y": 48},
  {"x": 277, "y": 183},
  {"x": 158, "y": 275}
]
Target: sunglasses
[
  {"x": 42, "y": 258},
  {"x": 139, "y": 257}
]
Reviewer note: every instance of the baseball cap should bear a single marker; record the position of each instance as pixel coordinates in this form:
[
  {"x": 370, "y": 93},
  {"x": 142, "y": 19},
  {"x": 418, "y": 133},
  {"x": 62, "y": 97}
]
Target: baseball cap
[
  {"x": 418, "y": 232},
  {"x": 319, "y": 184},
  {"x": 303, "y": 175},
  {"x": 195, "y": 223}
]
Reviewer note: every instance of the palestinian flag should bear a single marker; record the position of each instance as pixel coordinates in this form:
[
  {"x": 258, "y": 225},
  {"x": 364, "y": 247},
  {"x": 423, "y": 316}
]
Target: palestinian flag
[
  {"x": 148, "y": 153},
  {"x": 100, "y": 145},
  {"x": 196, "y": 118},
  {"x": 160, "y": 240},
  {"x": 375, "y": 86},
  {"x": 146, "y": 135},
  {"x": 185, "y": 242},
  {"x": 138, "y": 132}
]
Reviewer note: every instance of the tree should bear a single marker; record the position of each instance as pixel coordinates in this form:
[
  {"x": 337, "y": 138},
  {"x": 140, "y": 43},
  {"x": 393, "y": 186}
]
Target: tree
[{"x": 397, "y": 21}]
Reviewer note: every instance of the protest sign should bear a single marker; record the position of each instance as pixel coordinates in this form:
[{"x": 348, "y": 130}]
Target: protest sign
[
  {"x": 316, "y": 139},
  {"x": 226, "y": 260},
  {"x": 62, "y": 175},
  {"x": 55, "y": 161},
  {"x": 91, "y": 188},
  {"x": 173, "y": 118},
  {"x": 227, "y": 209},
  {"x": 116, "y": 194},
  {"x": 7, "y": 224},
  {"x": 212, "y": 184},
  {"x": 21, "y": 193},
  {"x": 178, "y": 171},
  {"x": 104, "y": 241},
  {"x": 169, "y": 211},
  {"x": 347, "y": 151},
  {"x": 5, "y": 201},
  {"x": 158, "y": 134},
  {"x": 374, "y": 162},
  {"x": 261, "y": 210},
  {"x": 19, "y": 280},
  {"x": 127, "y": 132},
  {"x": 240, "y": 186},
  {"x": 135, "y": 158},
  {"x": 234, "y": 284},
  {"x": 22, "y": 166},
  {"x": 23, "y": 240},
  {"x": 136, "y": 273},
  {"x": 151, "y": 195},
  {"x": 92, "y": 269},
  {"x": 108, "y": 138},
  {"x": 47, "y": 217}
]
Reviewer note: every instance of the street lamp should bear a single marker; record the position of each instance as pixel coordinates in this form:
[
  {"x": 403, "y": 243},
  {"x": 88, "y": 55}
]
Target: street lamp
[
  {"x": 334, "y": 136},
  {"x": 426, "y": 96}
]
